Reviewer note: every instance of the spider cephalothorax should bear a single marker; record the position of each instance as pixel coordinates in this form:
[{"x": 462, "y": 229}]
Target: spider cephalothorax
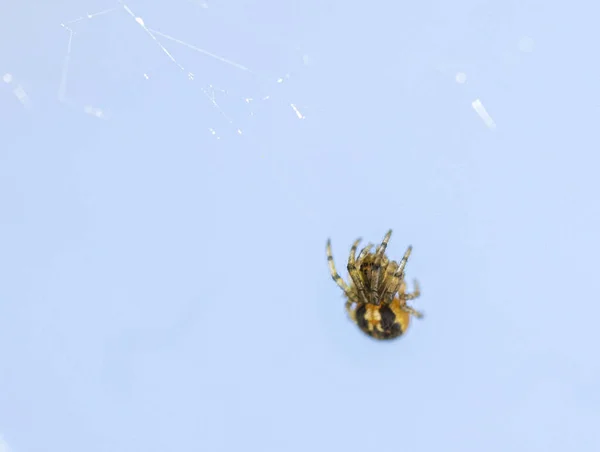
[{"x": 376, "y": 296}]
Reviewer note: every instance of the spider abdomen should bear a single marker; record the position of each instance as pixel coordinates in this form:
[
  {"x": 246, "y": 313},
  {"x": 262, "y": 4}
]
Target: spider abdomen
[{"x": 386, "y": 321}]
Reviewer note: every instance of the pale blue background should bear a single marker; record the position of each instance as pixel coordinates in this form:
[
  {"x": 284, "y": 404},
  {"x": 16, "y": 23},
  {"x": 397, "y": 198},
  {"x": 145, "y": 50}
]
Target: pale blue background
[{"x": 165, "y": 290}]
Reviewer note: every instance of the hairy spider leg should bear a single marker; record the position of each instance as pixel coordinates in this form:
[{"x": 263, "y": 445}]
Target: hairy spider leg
[
  {"x": 390, "y": 281},
  {"x": 361, "y": 264},
  {"x": 416, "y": 293},
  {"x": 411, "y": 310},
  {"x": 335, "y": 276},
  {"x": 351, "y": 312},
  {"x": 363, "y": 253},
  {"x": 400, "y": 271},
  {"x": 376, "y": 268},
  {"x": 354, "y": 273},
  {"x": 403, "y": 296}
]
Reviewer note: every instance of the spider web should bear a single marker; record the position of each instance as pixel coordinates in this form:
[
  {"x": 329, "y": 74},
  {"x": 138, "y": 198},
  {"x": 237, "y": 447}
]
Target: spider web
[
  {"x": 114, "y": 48},
  {"x": 118, "y": 47}
]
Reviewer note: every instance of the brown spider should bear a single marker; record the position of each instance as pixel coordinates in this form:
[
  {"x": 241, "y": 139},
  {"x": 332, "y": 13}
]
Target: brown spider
[{"x": 376, "y": 297}]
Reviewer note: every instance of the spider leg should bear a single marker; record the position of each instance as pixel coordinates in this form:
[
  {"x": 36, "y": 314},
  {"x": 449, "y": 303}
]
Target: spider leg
[
  {"x": 351, "y": 312},
  {"x": 354, "y": 273},
  {"x": 376, "y": 269},
  {"x": 403, "y": 261},
  {"x": 334, "y": 274},
  {"x": 363, "y": 269},
  {"x": 415, "y": 293},
  {"x": 363, "y": 253},
  {"x": 403, "y": 296},
  {"x": 363, "y": 265},
  {"x": 390, "y": 282},
  {"x": 417, "y": 314}
]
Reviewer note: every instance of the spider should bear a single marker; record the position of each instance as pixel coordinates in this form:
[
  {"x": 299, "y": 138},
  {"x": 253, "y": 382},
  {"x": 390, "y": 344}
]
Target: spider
[{"x": 376, "y": 297}]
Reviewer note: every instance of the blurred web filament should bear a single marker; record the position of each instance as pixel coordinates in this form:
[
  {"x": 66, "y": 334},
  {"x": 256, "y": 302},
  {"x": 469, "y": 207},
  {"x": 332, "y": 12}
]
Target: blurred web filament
[
  {"x": 17, "y": 89},
  {"x": 210, "y": 92}
]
